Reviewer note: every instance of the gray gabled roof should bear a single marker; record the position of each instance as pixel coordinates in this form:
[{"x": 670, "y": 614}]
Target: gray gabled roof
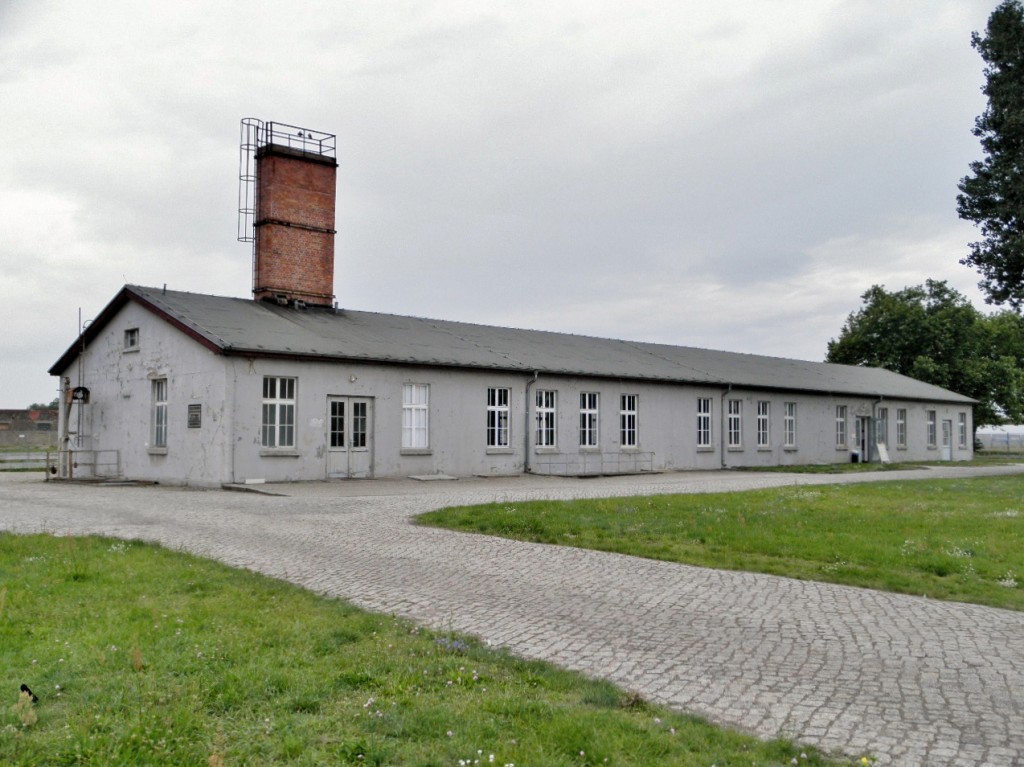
[{"x": 237, "y": 326}]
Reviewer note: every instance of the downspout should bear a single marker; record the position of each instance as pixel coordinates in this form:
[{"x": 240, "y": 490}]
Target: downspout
[
  {"x": 229, "y": 416},
  {"x": 721, "y": 431},
  {"x": 526, "y": 431},
  {"x": 873, "y": 443},
  {"x": 64, "y": 454}
]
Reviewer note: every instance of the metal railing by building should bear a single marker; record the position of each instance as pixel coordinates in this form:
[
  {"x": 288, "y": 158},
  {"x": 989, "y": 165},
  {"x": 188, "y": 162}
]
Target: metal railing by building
[
  {"x": 592, "y": 464},
  {"x": 84, "y": 464}
]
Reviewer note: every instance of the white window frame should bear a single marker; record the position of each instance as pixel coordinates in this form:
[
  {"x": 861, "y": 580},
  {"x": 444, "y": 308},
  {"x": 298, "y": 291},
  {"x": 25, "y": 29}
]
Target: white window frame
[
  {"x": 498, "y": 421},
  {"x": 735, "y": 423},
  {"x": 882, "y": 426},
  {"x": 704, "y": 423},
  {"x": 277, "y": 431},
  {"x": 131, "y": 340},
  {"x": 629, "y": 436},
  {"x": 933, "y": 430},
  {"x": 841, "y": 431},
  {"x": 158, "y": 420},
  {"x": 590, "y": 419},
  {"x": 901, "y": 427},
  {"x": 546, "y": 413},
  {"x": 789, "y": 424},
  {"x": 764, "y": 423},
  {"x": 962, "y": 429},
  {"x": 415, "y": 416}
]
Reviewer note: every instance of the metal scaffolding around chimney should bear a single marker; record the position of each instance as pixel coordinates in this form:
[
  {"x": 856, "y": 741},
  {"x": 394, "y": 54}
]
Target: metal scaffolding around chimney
[{"x": 256, "y": 134}]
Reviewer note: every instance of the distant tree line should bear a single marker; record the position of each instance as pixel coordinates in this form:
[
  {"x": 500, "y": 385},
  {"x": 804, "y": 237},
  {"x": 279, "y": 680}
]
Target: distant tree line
[
  {"x": 932, "y": 332},
  {"x": 41, "y": 406}
]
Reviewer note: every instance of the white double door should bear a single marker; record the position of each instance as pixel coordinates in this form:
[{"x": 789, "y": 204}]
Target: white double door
[{"x": 349, "y": 437}]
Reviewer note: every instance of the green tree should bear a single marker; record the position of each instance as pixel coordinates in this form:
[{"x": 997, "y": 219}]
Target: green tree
[
  {"x": 993, "y": 195},
  {"x": 42, "y": 406},
  {"x": 932, "y": 332}
]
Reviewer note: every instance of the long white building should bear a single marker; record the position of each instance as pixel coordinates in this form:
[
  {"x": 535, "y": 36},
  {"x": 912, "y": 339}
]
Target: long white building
[{"x": 181, "y": 387}]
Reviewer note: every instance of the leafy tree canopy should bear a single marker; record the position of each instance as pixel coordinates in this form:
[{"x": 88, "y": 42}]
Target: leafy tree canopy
[
  {"x": 42, "y": 406},
  {"x": 932, "y": 332},
  {"x": 992, "y": 196}
]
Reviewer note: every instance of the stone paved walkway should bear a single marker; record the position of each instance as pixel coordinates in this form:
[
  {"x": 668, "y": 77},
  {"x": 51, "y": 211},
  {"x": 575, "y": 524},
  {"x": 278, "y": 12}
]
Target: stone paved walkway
[{"x": 910, "y": 680}]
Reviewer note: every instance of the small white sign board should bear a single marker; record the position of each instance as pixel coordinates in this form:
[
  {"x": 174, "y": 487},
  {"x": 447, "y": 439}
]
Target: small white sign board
[{"x": 883, "y": 453}]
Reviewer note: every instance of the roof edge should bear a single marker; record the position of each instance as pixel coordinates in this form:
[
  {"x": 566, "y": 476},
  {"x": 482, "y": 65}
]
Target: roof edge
[{"x": 127, "y": 294}]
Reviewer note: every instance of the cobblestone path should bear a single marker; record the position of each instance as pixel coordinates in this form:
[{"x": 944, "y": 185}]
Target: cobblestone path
[{"x": 910, "y": 680}]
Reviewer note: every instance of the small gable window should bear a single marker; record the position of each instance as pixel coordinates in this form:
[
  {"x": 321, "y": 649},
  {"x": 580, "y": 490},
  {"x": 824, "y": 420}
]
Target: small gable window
[{"x": 131, "y": 339}]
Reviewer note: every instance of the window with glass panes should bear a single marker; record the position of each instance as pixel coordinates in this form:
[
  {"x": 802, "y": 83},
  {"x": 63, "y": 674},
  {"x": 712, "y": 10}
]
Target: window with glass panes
[
  {"x": 546, "y": 409},
  {"x": 627, "y": 420},
  {"x": 841, "y": 426},
  {"x": 789, "y": 424},
  {"x": 159, "y": 417},
  {"x": 764, "y": 423},
  {"x": 278, "y": 429},
  {"x": 735, "y": 423},
  {"x": 704, "y": 422},
  {"x": 497, "y": 417},
  {"x": 337, "y": 430},
  {"x": 589, "y": 419},
  {"x": 415, "y": 416}
]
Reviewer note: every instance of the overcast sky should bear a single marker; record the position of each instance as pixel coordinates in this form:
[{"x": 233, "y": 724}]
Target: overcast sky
[{"x": 724, "y": 175}]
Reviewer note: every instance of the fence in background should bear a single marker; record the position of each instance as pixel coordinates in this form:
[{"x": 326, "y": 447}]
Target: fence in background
[{"x": 1010, "y": 442}]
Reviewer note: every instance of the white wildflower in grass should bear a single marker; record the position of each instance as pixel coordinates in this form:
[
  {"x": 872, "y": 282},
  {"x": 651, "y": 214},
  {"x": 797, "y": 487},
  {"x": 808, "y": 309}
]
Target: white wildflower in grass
[
  {"x": 959, "y": 553},
  {"x": 1008, "y": 581}
]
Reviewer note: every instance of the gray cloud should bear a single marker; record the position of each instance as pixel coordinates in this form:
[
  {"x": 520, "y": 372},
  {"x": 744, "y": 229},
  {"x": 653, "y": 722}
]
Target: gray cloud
[{"x": 732, "y": 177}]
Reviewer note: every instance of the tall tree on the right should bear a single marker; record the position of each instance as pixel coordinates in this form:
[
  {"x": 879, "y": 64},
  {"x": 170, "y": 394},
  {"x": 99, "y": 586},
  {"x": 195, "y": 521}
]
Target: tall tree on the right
[{"x": 992, "y": 196}]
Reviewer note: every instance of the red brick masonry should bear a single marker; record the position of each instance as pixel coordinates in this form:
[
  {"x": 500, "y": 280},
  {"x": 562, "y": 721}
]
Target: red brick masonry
[{"x": 294, "y": 225}]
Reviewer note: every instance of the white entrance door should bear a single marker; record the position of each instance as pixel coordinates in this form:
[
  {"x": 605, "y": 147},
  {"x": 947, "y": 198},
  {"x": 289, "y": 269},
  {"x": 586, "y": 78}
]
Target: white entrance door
[
  {"x": 947, "y": 440},
  {"x": 349, "y": 437},
  {"x": 863, "y": 429}
]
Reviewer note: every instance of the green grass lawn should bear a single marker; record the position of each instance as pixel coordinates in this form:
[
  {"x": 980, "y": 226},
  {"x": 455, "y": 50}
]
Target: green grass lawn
[
  {"x": 948, "y": 539},
  {"x": 143, "y": 656}
]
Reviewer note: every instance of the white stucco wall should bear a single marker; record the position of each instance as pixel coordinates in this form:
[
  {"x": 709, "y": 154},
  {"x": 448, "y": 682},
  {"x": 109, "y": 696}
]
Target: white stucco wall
[
  {"x": 227, "y": 446},
  {"x": 117, "y": 420}
]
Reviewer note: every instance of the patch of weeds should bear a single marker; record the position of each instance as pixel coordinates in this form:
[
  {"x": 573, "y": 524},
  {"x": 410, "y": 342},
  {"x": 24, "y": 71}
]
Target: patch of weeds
[
  {"x": 25, "y": 709},
  {"x": 453, "y": 645}
]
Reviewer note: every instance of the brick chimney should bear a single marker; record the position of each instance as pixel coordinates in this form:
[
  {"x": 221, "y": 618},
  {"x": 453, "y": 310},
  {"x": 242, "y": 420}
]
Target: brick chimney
[{"x": 293, "y": 258}]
